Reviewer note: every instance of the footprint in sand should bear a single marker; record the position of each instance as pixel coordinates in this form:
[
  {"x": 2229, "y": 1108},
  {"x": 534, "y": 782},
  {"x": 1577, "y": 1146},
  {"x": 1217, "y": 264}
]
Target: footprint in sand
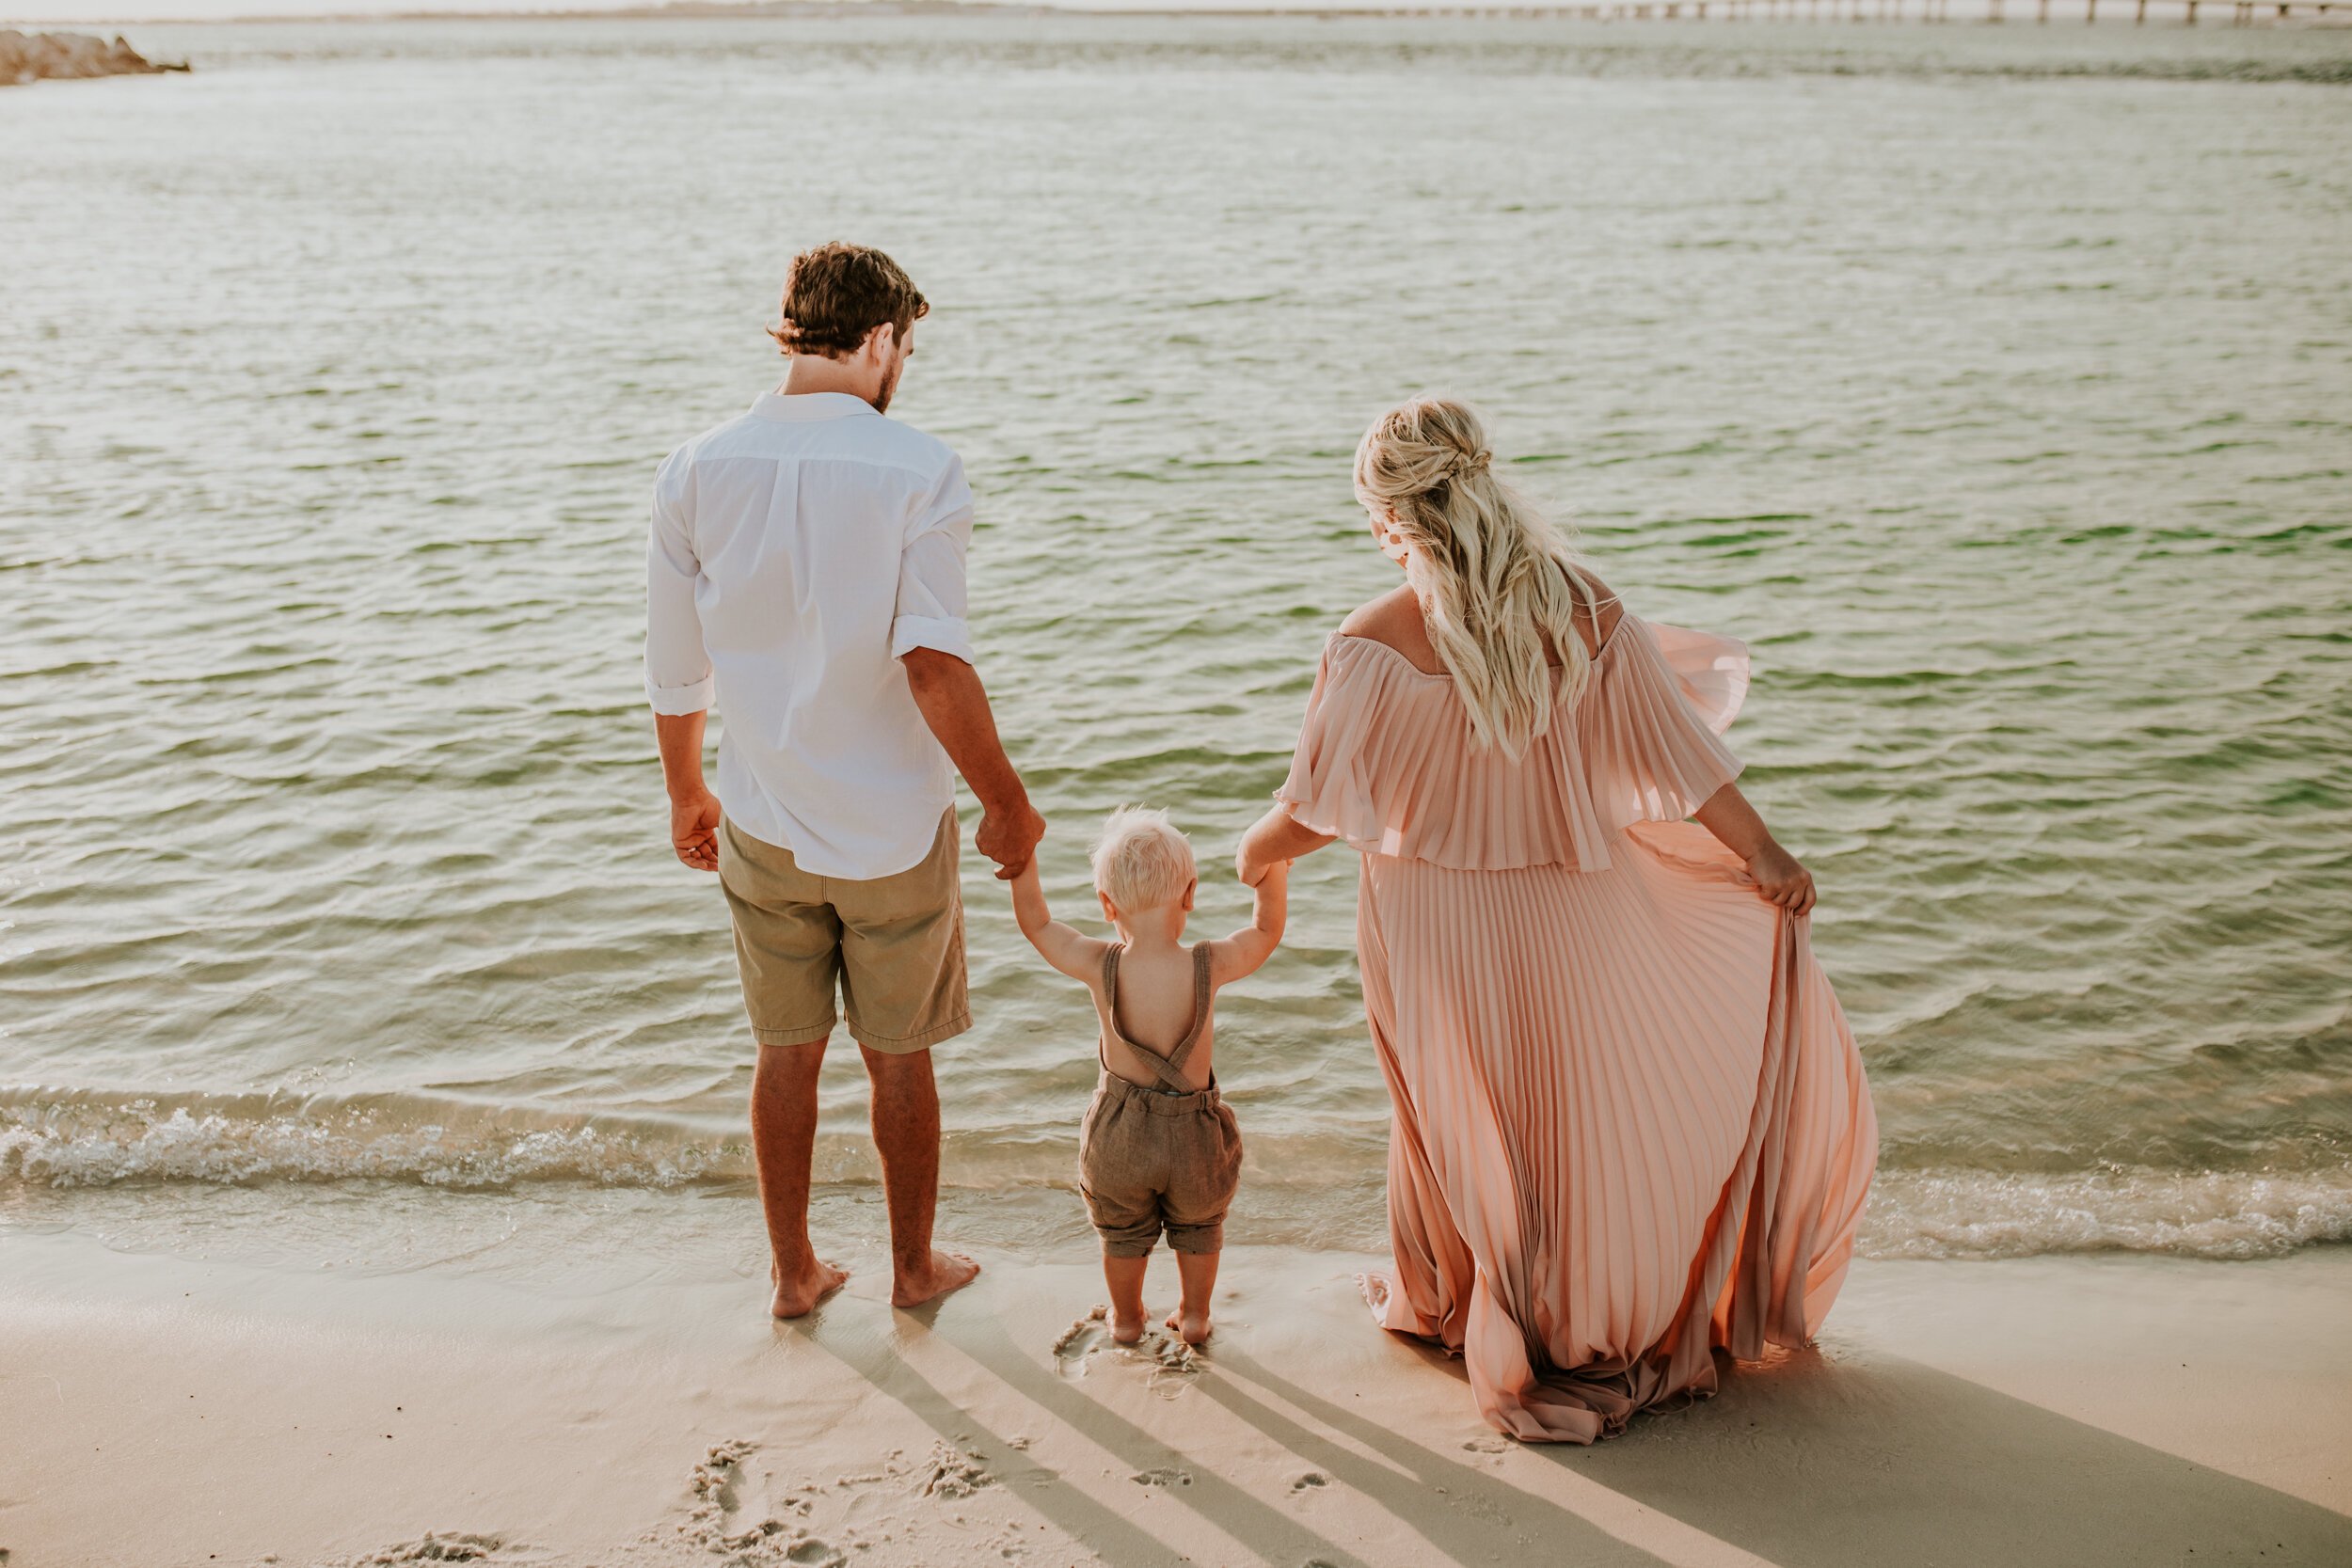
[
  {"x": 431, "y": 1547},
  {"x": 1163, "y": 1477},
  {"x": 953, "y": 1473},
  {"x": 1491, "y": 1443},
  {"x": 1171, "y": 1352},
  {"x": 1079, "y": 1342},
  {"x": 731, "y": 1515},
  {"x": 1312, "y": 1481},
  {"x": 714, "y": 1479},
  {"x": 1175, "y": 1364}
]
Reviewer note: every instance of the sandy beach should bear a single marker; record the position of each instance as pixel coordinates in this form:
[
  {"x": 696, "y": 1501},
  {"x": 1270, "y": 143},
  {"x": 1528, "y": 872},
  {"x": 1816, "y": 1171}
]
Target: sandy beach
[{"x": 155, "y": 1410}]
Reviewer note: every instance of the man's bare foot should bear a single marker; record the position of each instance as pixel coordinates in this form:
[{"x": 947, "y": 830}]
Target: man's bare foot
[
  {"x": 798, "y": 1295},
  {"x": 1193, "y": 1328},
  {"x": 1126, "y": 1331},
  {"x": 944, "y": 1273}
]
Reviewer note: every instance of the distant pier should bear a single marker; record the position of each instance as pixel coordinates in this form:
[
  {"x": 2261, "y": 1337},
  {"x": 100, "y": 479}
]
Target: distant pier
[{"x": 2189, "y": 13}]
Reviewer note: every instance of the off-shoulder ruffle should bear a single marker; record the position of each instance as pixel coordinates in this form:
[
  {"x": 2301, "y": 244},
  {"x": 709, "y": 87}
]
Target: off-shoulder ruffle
[
  {"x": 1711, "y": 671},
  {"x": 1651, "y": 724},
  {"x": 1386, "y": 758}
]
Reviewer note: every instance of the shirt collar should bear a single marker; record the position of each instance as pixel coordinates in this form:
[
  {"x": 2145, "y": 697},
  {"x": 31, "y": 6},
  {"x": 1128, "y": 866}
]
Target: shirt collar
[{"x": 810, "y": 406}]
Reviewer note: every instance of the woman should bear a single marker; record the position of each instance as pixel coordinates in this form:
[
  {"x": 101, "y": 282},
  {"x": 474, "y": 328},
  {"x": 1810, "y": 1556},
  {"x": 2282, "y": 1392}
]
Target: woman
[{"x": 1629, "y": 1122}]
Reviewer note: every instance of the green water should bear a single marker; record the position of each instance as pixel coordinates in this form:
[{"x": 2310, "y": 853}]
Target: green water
[{"x": 1995, "y": 386}]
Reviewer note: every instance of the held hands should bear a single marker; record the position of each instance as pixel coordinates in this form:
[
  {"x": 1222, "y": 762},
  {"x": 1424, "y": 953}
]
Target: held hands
[
  {"x": 1782, "y": 879},
  {"x": 1274, "y": 840},
  {"x": 1009, "y": 836},
  {"x": 1252, "y": 870},
  {"x": 694, "y": 829}
]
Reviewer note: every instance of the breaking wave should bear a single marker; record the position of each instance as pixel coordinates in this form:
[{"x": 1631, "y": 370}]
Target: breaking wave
[{"x": 1311, "y": 1190}]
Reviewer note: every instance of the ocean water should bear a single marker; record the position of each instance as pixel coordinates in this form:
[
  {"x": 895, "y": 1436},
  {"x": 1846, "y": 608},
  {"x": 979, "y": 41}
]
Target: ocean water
[{"x": 1994, "y": 383}]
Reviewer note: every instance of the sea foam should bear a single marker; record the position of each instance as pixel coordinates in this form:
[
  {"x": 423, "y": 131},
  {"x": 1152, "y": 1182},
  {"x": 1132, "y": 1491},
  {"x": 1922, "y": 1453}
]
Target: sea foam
[{"x": 1308, "y": 1191}]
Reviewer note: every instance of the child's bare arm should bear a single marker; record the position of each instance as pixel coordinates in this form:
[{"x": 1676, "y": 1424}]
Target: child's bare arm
[
  {"x": 1078, "y": 956},
  {"x": 1242, "y": 953}
]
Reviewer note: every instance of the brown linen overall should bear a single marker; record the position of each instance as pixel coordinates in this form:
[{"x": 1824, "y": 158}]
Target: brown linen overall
[{"x": 1151, "y": 1158}]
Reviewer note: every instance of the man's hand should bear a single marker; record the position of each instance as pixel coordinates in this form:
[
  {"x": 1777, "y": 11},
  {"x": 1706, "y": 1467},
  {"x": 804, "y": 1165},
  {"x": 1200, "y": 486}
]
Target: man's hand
[
  {"x": 694, "y": 810},
  {"x": 694, "y": 829},
  {"x": 955, "y": 706},
  {"x": 1010, "y": 838}
]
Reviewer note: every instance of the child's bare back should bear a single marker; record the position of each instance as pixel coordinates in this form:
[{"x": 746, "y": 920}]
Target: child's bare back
[{"x": 1154, "y": 1011}]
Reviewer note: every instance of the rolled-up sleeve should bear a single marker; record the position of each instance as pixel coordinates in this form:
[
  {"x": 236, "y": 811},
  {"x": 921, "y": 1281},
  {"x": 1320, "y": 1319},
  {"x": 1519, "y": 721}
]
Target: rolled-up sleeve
[
  {"x": 933, "y": 600},
  {"x": 677, "y": 666}
]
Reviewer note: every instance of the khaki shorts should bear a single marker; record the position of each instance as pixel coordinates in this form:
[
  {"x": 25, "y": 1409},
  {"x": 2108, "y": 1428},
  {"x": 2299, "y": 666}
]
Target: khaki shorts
[
  {"x": 1151, "y": 1162},
  {"x": 893, "y": 946}
]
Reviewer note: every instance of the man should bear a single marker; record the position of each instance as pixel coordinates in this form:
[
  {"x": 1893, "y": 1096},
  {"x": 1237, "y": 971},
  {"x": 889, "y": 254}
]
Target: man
[{"x": 807, "y": 572}]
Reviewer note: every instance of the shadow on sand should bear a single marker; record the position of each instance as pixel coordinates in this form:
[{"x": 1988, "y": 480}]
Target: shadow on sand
[
  {"x": 875, "y": 1356},
  {"x": 1862, "y": 1463},
  {"x": 1806, "y": 1461}
]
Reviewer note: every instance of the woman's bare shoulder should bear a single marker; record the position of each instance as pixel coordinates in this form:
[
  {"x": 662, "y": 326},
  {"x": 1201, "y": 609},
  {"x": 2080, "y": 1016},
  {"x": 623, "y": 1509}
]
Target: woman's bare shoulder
[
  {"x": 1382, "y": 617},
  {"x": 1394, "y": 621}
]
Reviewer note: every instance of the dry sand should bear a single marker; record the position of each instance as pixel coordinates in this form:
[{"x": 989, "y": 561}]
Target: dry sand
[{"x": 155, "y": 1410}]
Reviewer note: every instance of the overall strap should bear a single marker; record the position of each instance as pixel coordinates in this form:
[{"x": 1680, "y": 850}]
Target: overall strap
[
  {"x": 1201, "y": 995},
  {"x": 1169, "y": 1068},
  {"x": 1110, "y": 1002}
]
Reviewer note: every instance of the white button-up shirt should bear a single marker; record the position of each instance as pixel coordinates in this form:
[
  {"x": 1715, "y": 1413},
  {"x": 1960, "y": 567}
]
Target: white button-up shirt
[{"x": 798, "y": 552}]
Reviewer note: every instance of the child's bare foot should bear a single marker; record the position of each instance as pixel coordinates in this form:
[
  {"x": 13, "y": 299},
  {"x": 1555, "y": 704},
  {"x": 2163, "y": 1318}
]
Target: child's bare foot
[
  {"x": 944, "y": 1272},
  {"x": 797, "y": 1295},
  {"x": 1192, "y": 1327},
  {"x": 1126, "y": 1330}
]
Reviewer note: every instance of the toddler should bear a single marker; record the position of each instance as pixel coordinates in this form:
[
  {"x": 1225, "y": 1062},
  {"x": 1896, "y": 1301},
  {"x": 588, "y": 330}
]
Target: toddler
[{"x": 1159, "y": 1150}]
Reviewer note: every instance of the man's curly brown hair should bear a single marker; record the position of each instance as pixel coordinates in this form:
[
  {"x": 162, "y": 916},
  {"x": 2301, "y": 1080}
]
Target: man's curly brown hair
[{"x": 836, "y": 293}]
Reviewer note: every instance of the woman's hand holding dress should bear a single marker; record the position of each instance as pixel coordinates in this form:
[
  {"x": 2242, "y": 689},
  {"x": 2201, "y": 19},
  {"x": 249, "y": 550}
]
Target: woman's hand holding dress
[{"x": 1782, "y": 879}]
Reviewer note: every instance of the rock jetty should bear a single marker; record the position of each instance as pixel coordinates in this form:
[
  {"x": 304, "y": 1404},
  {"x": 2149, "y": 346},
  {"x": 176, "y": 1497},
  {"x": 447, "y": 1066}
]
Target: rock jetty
[{"x": 30, "y": 56}]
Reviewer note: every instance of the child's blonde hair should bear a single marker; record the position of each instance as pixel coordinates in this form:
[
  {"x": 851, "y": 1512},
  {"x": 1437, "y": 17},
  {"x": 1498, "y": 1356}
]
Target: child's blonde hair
[{"x": 1141, "y": 861}]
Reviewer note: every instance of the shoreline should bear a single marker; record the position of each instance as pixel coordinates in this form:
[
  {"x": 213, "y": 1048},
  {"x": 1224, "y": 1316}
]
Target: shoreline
[
  {"x": 1598, "y": 14},
  {"x": 641, "y": 1409}
]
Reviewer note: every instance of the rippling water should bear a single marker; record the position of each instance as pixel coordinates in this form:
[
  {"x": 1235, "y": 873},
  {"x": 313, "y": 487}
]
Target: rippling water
[{"x": 1995, "y": 385}]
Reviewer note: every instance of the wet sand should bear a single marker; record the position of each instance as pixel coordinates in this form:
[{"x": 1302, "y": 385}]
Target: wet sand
[{"x": 155, "y": 1410}]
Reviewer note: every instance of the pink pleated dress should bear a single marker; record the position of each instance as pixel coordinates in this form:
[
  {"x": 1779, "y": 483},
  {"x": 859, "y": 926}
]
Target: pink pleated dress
[{"x": 1631, "y": 1124}]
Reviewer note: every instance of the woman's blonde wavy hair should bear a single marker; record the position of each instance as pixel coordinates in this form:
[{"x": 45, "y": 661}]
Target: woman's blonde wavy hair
[{"x": 1492, "y": 575}]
